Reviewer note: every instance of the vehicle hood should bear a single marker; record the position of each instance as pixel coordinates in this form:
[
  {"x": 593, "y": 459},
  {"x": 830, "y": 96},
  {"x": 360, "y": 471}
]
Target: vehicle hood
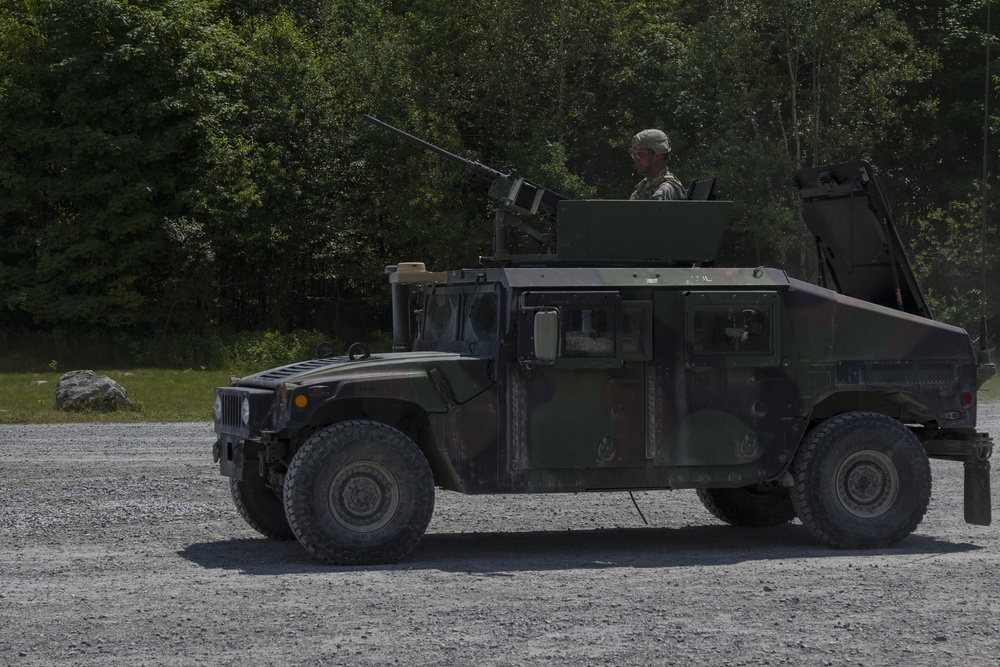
[{"x": 376, "y": 365}]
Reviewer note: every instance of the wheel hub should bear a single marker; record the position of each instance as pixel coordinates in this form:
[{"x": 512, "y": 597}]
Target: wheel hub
[
  {"x": 363, "y": 496},
  {"x": 867, "y": 483}
]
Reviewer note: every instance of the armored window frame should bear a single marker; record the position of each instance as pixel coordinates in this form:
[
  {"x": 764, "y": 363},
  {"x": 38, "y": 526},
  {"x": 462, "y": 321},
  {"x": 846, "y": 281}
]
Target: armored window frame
[
  {"x": 731, "y": 328},
  {"x": 596, "y": 329},
  {"x": 637, "y": 330}
]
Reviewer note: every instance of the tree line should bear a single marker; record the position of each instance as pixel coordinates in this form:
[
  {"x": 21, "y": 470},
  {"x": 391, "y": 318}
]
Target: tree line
[{"x": 176, "y": 171}]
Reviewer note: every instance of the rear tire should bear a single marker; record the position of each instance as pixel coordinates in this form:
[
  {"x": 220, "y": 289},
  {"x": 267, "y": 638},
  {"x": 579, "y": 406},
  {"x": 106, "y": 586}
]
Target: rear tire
[
  {"x": 260, "y": 506},
  {"x": 750, "y": 506},
  {"x": 862, "y": 481},
  {"x": 359, "y": 493}
]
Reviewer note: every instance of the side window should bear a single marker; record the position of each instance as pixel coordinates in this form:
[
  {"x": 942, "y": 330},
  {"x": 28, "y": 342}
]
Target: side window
[
  {"x": 731, "y": 329},
  {"x": 589, "y": 332},
  {"x": 594, "y": 331}
]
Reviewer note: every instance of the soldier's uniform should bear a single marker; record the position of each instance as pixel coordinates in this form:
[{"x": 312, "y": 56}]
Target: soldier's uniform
[{"x": 663, "y": 186}]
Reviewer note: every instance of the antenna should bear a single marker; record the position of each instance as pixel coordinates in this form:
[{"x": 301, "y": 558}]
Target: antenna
[
  {"x": 815, "y": 91},
  {"x": 986, "y": 136}
]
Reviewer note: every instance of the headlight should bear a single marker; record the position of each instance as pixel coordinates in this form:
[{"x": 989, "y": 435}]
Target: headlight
[
  {"x": 218, "y": 407},
  {"x": 245, "y": 411}
]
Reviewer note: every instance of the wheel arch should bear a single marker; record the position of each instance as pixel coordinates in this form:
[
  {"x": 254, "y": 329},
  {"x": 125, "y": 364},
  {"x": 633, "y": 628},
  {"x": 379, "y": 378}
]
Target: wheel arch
[
  {"x": 902, "y": 406},
  {"x": 406, "y": 416}
]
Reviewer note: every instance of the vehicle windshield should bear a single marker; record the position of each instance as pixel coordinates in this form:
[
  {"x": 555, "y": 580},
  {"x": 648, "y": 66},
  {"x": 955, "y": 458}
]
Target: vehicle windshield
[{"x": 462, "y": 320}]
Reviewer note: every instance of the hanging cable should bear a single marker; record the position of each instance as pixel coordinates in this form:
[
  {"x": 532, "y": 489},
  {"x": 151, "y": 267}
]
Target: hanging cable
[{"x": 637, "y": 508}]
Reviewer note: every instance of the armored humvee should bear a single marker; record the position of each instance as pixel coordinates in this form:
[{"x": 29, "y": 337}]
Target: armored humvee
[{"x": 623, "y": 359}]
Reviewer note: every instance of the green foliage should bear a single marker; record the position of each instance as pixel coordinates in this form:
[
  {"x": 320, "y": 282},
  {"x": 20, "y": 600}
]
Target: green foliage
[
  {"x": 770, "y": 87},
  {"x": 990, "y": 391},
  {"x": 254, "y": 352},
  {"x": 100, "y": 114},
  {"x": 174, "y": 168},
  {"x": 950, "y": 274},
  {"x": 240, "y": 353}
]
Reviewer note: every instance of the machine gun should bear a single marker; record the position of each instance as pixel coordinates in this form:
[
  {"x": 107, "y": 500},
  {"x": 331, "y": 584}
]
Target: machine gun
[{"x": 515, "y": 195}]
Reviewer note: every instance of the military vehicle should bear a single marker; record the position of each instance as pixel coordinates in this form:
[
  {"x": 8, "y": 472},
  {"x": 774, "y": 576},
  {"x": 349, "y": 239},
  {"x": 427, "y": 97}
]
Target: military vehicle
[{"x": 619, "y": 357}]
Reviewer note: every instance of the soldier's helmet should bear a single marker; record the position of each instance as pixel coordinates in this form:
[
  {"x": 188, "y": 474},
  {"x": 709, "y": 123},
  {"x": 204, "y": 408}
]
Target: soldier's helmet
[{"x": 654, "y": 140}]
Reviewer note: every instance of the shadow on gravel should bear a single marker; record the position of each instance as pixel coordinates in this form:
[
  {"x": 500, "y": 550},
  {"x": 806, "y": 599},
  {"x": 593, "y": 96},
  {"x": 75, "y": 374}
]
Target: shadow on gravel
[{"x": 566, "y": 550}]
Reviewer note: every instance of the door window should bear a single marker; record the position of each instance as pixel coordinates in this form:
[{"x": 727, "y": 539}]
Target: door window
[{"x": 731, "y": 329}]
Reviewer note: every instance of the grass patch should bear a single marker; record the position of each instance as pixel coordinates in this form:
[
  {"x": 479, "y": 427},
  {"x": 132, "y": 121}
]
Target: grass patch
[
  {"x": 28, "y": 390},
  {"x": 161, "y": 396}
]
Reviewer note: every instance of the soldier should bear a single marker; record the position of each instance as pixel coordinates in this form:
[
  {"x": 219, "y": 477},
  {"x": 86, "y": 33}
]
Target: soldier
[{"x": 650, "y": 150}]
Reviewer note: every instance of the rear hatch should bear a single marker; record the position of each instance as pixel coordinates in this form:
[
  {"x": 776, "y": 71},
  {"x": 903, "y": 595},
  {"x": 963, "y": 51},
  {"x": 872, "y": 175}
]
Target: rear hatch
[{"x": 861, "y": 254}]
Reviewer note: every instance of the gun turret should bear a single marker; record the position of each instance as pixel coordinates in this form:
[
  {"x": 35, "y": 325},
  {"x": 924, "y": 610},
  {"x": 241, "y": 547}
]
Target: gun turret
[{"x": 516, "y": 196}]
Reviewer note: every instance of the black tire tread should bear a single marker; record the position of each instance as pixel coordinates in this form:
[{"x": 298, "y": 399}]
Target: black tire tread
[
  {"x": 804, "y": 472},
  {"x": 308, "y": 463},
  {"x": 261, "y": 507}
]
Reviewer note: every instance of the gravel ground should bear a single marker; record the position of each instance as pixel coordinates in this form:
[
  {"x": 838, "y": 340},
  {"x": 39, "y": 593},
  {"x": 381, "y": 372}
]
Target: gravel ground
[{"x": 119, "y": 545}]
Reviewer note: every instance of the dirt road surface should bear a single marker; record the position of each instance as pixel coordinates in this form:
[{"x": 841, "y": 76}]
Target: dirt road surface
[{"x": 119, "y": 545}]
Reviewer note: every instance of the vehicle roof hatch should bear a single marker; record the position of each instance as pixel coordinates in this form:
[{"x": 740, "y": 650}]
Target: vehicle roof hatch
[{"x": 859, "y": 247}]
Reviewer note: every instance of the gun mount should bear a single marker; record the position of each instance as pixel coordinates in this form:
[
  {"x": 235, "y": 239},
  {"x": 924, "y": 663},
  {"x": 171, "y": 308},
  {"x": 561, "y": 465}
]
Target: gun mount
[{"x": 517, "y": 198}]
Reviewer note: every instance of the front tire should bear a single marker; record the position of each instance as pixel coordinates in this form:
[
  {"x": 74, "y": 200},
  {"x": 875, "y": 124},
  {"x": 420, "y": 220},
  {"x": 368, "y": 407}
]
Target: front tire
[
  {"x": 750, "y": 506},
  {"x": 862, "y": 481},
  {"x": 260, "y": 505},
  {"x": 359, "y": 493}
]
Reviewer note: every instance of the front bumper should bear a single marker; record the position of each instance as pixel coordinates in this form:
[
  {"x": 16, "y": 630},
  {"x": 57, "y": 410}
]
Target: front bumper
[
  {"x": 242, "y": 413},
  {"x": 230, "y": 453}
]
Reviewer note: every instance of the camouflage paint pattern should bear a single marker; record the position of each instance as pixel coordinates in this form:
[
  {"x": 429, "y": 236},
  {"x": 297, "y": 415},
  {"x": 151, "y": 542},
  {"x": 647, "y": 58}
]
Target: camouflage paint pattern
[
  {"x": 669, "y": 415},
  {"x": 668, "y": 373}
]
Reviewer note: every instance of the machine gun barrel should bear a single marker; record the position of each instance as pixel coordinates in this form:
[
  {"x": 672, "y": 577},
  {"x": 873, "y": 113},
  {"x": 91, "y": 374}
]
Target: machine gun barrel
[
  {"x": 476, "y": 168},
  {"x": 516, "y": 195}
]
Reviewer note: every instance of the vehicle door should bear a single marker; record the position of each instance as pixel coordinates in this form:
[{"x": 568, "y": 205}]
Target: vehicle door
[{"x": 727, "y": 403}]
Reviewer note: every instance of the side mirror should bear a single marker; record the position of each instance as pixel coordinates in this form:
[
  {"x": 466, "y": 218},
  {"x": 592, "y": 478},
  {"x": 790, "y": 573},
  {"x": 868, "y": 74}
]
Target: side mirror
[{"x": 546, "y": 335}]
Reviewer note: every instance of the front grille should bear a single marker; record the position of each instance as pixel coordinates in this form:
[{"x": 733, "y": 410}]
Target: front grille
[
  {"x": 231, "y": 419},
  {"x": 231, "y": 402}
]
